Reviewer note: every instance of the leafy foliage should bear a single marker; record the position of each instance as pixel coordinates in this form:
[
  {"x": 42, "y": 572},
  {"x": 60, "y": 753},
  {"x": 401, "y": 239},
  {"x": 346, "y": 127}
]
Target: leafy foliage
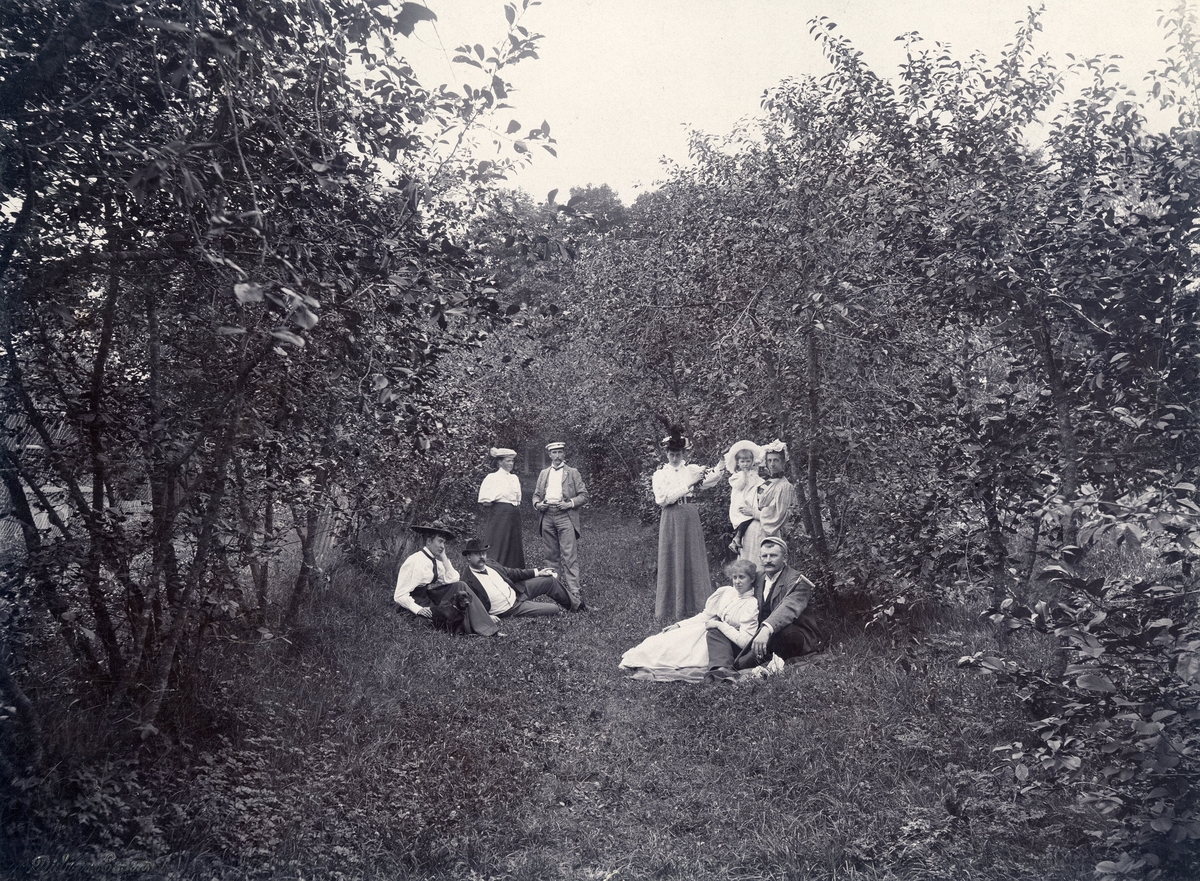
[
  {"x": 968, "y": 306},
  {"x": 1121, "y": 730},
  {"x": 229, "y": 271},
  {"x": 256, "y": 281}
]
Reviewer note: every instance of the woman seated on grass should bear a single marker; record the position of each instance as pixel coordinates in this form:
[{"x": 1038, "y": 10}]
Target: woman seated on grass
[{"x": 680, "y": 650}]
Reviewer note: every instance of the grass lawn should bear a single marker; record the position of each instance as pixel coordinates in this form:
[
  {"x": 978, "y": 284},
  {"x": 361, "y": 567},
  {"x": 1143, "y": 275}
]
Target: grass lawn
[{"x": 371, "y": 747}]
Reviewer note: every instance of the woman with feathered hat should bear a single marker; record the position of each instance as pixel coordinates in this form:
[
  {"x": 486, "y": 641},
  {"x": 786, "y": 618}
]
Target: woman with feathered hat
[{"x": 683, "y": 578}]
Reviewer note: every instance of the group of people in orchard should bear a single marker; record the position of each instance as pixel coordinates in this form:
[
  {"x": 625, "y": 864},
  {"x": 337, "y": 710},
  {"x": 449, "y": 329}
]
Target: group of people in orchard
[
  {"x": 761, "y": 617},
  {"x": 429, "y": 586},
  {"x": 559, "y": 495}
]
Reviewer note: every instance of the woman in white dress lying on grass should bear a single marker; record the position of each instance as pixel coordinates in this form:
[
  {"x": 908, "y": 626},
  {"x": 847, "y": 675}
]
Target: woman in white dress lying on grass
[{"x": 680, "y": 650}]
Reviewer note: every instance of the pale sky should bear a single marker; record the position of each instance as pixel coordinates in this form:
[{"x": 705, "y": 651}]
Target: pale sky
[{"x": 621, "y": 81}]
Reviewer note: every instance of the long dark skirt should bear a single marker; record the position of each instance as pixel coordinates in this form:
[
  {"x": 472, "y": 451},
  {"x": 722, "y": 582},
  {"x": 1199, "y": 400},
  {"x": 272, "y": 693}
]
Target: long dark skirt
[
  {"x": 683, "y": 580},
  {"x": 502, "y": 531}
]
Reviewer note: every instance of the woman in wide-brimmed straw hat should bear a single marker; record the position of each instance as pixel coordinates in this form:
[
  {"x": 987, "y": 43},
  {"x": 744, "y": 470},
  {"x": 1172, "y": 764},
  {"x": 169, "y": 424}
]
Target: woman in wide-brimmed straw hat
[
  {"x": 500, "y": 498},
  {"x": 683, "y": 579}
]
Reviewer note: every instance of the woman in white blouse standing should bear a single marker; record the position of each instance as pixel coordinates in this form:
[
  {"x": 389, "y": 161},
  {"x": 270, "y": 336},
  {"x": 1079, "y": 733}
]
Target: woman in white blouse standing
[
  {"x": 500, "y": 498},
  {"x": 683, "y": 578}
]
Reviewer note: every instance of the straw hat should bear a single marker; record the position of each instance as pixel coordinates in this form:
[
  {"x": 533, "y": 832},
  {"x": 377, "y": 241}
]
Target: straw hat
[
  {"x": 760, "y": 454},
  {"x": 436, "y": 528}
]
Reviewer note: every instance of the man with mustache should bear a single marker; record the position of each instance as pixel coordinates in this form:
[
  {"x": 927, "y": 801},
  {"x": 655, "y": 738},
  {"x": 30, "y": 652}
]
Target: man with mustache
[
  {"x": 786, "y": 626},
  {"x": 559, "y": 495},
  {"x": 516, "y": 593}
]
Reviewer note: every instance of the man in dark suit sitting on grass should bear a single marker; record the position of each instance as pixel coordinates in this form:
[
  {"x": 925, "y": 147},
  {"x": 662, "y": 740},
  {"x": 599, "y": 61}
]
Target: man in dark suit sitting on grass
[{"x": 509, "y": 593}]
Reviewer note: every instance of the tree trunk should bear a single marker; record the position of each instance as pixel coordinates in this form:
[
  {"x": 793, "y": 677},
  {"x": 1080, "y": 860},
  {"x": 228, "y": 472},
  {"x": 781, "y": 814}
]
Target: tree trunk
[
  {"x": 1068, "y": 446},
  {"x": 996, "y": 543},
  {"x": 181, "y": 610},
  {"x": 163, "y": 578},
  {"x": 309, "y": 570},
  {"x": 97, "y": 528},
  {"x": 1034, "y": 538},
  {"x": 9, "y": 465},
  {"x": 820, "y": 544},
  {"x": 262, "y": 568},
  {"x": 254, "y": 550},
  {"x": 35, "y": 554},
  {"x": 28, "y": 718}
]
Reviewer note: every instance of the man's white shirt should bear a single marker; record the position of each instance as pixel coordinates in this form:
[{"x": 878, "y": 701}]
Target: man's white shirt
[
  {"x": 501, "y": 597},
  {"x": 768, "y": 586},
  {"x": 554, "y": 486}
]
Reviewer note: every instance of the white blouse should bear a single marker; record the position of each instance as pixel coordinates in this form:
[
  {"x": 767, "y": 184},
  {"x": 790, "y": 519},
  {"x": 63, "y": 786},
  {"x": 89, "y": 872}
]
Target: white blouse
[
  {"x": 422, "y": 568},
  {"x": 737, "y": 614},
  {"x": 501, "y": 486},
  {"x": 671, "y": 483}
]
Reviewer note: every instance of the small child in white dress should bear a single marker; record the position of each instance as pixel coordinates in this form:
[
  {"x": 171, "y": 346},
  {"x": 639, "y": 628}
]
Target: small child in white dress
[{"x": 680, "y": 650}]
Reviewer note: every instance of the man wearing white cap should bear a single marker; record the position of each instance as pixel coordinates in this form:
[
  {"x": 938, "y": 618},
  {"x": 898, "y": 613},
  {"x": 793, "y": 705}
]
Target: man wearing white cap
[{"x": 559, "y": 495}]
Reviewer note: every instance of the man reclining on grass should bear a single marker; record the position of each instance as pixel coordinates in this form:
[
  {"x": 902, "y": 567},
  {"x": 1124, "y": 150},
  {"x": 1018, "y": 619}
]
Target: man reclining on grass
[
  {"x": 429, "y": 587},
  {"x": 510, "y": 592}
]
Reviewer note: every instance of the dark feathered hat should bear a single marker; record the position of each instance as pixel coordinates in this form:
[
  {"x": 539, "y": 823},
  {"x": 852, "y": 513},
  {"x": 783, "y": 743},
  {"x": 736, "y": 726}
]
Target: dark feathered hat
[{"x": 675, "y": 442}]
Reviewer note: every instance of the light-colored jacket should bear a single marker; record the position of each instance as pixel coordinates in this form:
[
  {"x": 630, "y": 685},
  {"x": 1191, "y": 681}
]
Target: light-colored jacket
[{"x": 573, "y": 489}]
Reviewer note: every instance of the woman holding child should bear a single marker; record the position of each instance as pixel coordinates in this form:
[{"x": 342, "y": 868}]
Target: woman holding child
[
  {"x": 683, "y": 580},
  {"x": 680, "y": 650}
]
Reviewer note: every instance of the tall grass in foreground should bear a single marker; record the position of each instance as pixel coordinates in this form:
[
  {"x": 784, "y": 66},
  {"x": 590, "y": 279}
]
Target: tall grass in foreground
[{"x": 369, "y": 747}]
